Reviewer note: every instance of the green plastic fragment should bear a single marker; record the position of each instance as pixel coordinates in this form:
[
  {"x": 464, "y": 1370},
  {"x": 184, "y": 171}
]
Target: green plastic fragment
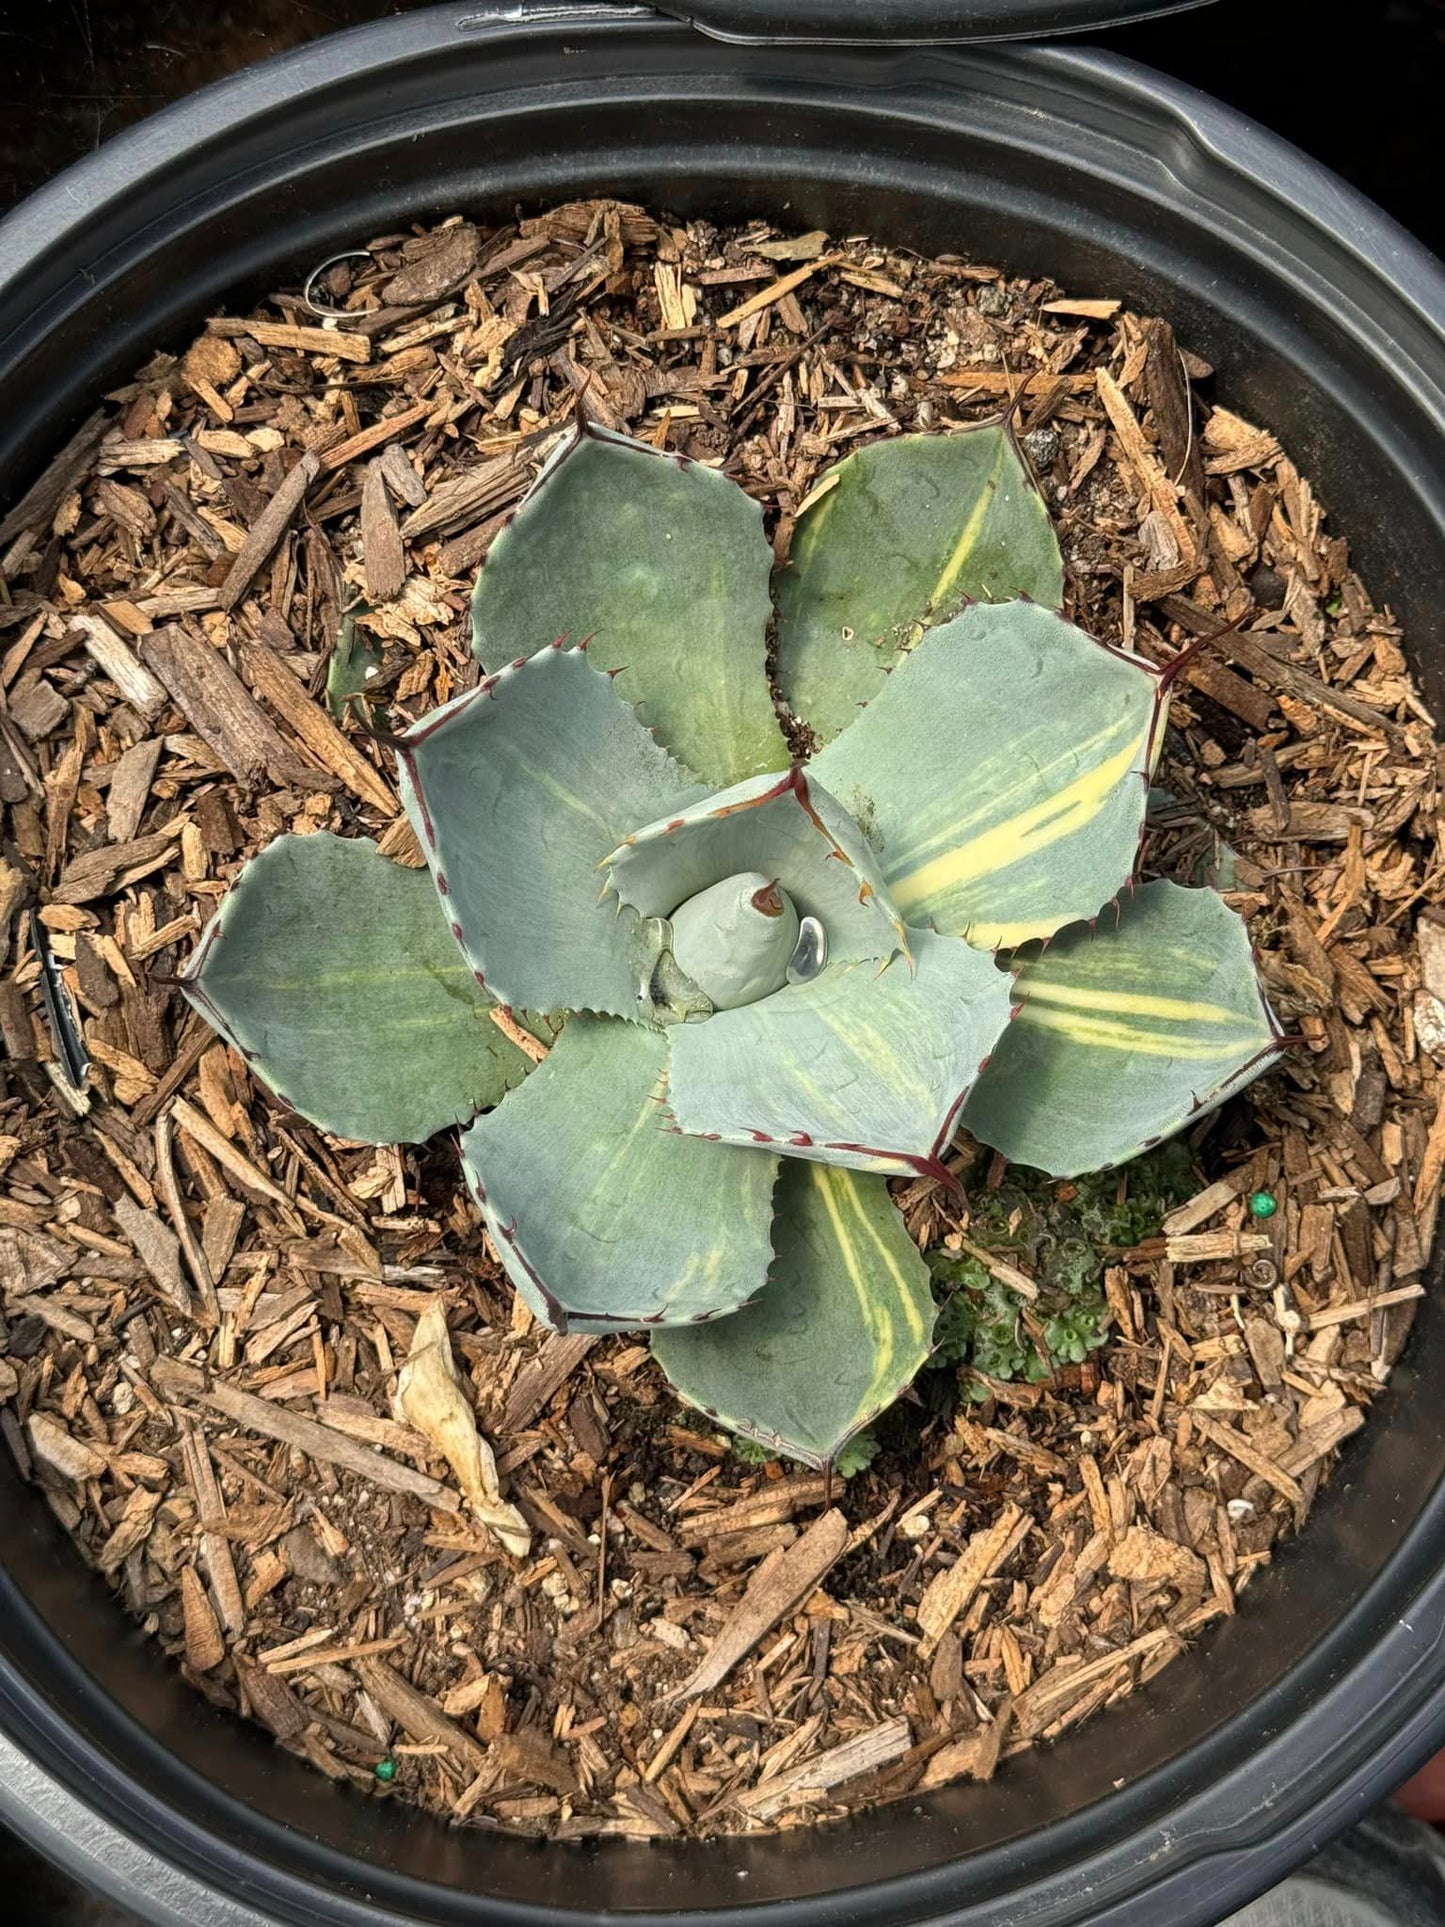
[
  {"x": 385, "y": 1771},
  {"x": 354, "y": 662}
]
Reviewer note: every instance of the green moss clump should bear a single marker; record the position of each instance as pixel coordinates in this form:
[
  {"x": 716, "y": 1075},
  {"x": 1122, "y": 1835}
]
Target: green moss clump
[
  {"x": 855, "y": 1456},
  {"x": 1061, "y": 1231},
  {"x": 978, "y": 1323},
  {"x": 1062, "y": 1234}
]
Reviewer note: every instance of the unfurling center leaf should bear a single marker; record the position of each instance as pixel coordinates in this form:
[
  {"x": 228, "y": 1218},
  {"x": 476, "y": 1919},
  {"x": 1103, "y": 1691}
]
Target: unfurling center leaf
[
  {"x": 736, "y": 939},
  {"x": 787, "y": 829}
]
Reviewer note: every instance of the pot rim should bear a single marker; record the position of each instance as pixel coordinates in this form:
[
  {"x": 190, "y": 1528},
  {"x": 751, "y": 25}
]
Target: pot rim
[
  {"x": 65, "y": 205},
  {"x": 1385, "y": 1658},
  {"x": 841, "y": 23}
]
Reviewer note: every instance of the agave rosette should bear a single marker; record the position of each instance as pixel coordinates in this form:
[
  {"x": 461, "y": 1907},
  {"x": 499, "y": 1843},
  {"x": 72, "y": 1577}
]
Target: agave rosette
[{"x": 770, "y": 983}]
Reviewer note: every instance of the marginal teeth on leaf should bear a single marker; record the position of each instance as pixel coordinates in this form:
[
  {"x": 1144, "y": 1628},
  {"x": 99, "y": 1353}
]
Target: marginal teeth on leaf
[{"x": 616, "y": 541}]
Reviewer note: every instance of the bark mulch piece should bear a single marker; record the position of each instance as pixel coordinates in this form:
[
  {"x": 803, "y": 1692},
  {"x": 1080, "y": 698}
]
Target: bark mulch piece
[{"x": 205, "y": 1302}]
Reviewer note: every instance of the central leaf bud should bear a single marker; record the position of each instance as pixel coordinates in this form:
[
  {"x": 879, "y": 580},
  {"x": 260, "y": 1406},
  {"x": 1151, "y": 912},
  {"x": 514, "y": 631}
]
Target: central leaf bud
[{"x": 736, "y": 939}]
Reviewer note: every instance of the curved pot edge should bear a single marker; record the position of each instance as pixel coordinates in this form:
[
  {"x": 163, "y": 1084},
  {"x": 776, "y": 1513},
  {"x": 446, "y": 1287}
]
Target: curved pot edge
[
  {"x": 1224, "y": 1845},
  {"x": 1229, "y": 138}
]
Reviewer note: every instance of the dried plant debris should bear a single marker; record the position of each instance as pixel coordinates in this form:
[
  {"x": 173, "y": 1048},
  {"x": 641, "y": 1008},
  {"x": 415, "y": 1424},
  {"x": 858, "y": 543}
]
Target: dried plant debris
[
  {"x": 252, "y": 1369},
  {"x": 429, "y": 1395}
]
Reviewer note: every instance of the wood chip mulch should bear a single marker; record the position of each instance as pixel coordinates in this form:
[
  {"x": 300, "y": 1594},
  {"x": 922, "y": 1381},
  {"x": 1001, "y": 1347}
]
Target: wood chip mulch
[{"x": 205, "y": 1302}]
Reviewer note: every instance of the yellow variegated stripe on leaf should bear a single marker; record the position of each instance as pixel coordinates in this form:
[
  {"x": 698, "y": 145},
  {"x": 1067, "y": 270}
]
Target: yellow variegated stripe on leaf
[
  {"x": 945, "y": 597},
  {"x": 1002, "y": 774},
  {"x": 604, "y": 1217},
  {"x": 1129, "y": 1037},
  {"x": 842, "y": 1328},
  {"x": 854, "y": 1068},
  {"x": 1142, "y": 1003},
  {"x": 1116, "y": 1019},
  {"x": 896, "y": 538},
  {"x": 944, "y": 862},
  {"x": 1124, "y": 1036}
]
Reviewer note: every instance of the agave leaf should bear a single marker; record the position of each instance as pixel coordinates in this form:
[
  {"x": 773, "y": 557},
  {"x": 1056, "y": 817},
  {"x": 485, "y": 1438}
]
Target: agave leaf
[
  {"x": 1126, "y": 1035},
  {"x": 786, "y": 827},
  {"x": 604, "y": 1218},
  {"x": 517, "y": 791},
  {"x": 854, "y": 1068},
  {"x": 893, "y": 540},
  {"x": 843, "y": 1327},
  {"x": 662, "y": 562},
  {"x": 1002, "y": 774},
  {"x": 331, "y": 971}
]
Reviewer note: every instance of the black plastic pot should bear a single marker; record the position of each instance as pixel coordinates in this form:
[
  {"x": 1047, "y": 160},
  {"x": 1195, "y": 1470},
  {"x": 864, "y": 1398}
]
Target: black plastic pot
[
  {"x": 912, "y": 22},
  {"x": 1325, "y": 322}
]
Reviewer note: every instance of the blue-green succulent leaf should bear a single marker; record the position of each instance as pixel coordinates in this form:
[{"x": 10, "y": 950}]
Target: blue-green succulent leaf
[
  {"x": 517, "y": 791},
  {"x": 842, "y": 1329},
  {"x": 664, "y": 564},
  {"x": 893, "y": 540},
  {"x": 604, "y": 1218},
  {"x": 1002, "y": 773},
  {"x": 786, "y": 827},
  {"x": 856, "y": 1067},
  {"x": 332, "y": 972},
  {"x": 1126, "y": 1035}
]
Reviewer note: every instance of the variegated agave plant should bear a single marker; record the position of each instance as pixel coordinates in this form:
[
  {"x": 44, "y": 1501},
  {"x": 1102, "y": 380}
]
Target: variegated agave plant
[{"x": 783, "y": 983}]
